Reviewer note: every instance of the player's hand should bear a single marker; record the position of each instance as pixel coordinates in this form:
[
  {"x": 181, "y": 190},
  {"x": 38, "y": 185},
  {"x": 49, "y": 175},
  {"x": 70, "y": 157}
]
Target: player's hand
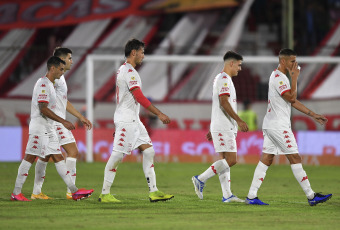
[
  {"x": 164, "y": 118},
  {"x": 86, "y": 123},
  {"x": 68, "y": 125},
  {"x": 208, "y": 136},
  {"x": 243, "y": 126},
  {"x": 320, "y": 119},
  {"x": 294, "y": 71}
]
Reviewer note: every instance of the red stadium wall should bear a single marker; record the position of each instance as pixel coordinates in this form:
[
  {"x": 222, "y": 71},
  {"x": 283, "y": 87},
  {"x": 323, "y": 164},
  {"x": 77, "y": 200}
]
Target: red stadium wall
[{"x": 316, "y": 148}]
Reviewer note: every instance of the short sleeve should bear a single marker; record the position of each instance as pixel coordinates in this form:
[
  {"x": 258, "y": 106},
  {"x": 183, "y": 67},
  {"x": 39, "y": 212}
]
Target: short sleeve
[
  {"x": 223, "y": 85},
  {"x": 43, "y": 93},
  {"x": 281, "y": 84},
  {"x": 133, "y": 80}
]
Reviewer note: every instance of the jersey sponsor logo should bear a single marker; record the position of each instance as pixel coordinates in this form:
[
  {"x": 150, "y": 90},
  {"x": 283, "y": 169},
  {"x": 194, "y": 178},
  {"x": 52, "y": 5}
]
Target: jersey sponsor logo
[
  {"x": 283, "y": 87},
  {"x": 131, "y": 83},
  {"x": 224, "y": 89},
  {"x": 42, "y": 96},
  {"x": 130, "y": 70}
]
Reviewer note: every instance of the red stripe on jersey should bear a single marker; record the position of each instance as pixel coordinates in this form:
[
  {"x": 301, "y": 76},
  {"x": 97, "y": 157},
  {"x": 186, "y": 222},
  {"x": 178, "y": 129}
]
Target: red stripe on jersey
[
  {"x": 43, "y": 102},
  {"x": 284, "y": 91},
  {"x": 224, "y": 94}
]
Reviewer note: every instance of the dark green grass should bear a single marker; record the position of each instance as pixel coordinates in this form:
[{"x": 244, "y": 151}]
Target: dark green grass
[{"x": 288, "y": 207}]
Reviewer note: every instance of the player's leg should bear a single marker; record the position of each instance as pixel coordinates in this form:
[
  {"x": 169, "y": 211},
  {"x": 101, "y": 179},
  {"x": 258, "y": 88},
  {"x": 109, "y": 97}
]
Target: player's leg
[
  {"x": 301, "y": 176},
  {"x": 40, "y": 172},
  {"x": 71, "y": 161},
  {"x": 67, "y": 141},
  {"x": 109, "y": 176},
  {"x": 144, "y": 144},
  {"x": 23, "y": 169},
  {"x": 224, "y": 178}
]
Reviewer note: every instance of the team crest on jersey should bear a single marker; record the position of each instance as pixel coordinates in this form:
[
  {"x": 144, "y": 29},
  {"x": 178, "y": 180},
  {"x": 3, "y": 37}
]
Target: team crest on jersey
[
  {"x": 225, "y": 84},
  {"x": 281, "y": 82}
]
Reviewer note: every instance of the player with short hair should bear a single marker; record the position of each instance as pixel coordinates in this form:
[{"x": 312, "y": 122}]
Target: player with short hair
[
  {"x": 130, "y": 132},
  {"x": 65, "y": 136},
  {"x": 223, "y": 128},
  {"x": 277, "y": 132},
  {"x": 43, "y": 141}
]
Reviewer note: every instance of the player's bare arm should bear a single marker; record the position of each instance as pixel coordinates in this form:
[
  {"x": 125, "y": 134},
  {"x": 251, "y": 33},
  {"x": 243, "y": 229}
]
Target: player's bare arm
[
  {"x": 140, "y": 98},
  {"x": 46, "y": 112},
  {"x": 70, "y": 108},
  {"x": 229, "y": 110},
  {"x": 317, "y": 117},
  {"x": 208, "y": 136}
]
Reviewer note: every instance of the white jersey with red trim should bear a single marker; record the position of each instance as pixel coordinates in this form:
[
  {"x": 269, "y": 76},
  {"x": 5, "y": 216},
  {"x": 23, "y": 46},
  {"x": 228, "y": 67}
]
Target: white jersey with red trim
[
  {"x": 278, "y": 110},
  {"x": 61, "y": 91},
  {"x": 221, "y": 121},
  {"x": 43, "y": 92},
  {"x": 127, "y": 108}
]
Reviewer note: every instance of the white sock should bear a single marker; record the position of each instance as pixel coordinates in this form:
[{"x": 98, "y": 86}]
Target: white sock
[
  {"x": 225, "y": 183},
  {"x": 259, "y": 175},
  {"x": 21, "y": 177},
  {"x": 217, "y": 167},
  {"x": 71, "y": 166},
  {"x": 65, "y": 175},
  {"x": 149, "y": 169},
  {"x": 110, "y": 171},
  {"x": 40, "y": 171},
  {"x": 302, "y": 178}
]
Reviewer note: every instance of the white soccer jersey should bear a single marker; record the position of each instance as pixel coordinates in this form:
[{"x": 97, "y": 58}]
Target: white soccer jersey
[
  {"x": 221, "y": 121},
  {"x": 278, "y": 110},
  {"x": 61, "y": 92},
  {"x": 127, "y": 109},
  {"x": 43, "y": 92}
]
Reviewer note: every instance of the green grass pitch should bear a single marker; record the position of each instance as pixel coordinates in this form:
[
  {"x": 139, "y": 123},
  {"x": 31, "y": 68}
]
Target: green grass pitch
[{"x": 288, "y": 207}]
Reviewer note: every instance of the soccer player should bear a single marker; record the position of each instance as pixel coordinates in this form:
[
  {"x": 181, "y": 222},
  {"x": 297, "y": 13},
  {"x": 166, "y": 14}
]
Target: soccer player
[
  {"x": 65, "y": 136},
  {"x": 277, "y": 132},
  {"x": 223, "y": 128},
  {"x": 43, "y": 140},
  {"x": 130, "y": 132}
]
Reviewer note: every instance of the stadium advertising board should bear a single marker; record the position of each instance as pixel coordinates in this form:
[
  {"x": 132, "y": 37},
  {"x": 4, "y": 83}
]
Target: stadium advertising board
[{"x": 317, "y": 148}]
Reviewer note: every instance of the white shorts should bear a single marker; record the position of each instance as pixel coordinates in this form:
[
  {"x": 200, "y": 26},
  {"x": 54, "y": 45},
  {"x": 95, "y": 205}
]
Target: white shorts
[
  {"x": 129, "y": 136},
  {"x": 279, "y": 142},
  {"x": 224, "y": 141},
  {"x": 43, "y": 145},
  {"x": 65, "y": 136}
]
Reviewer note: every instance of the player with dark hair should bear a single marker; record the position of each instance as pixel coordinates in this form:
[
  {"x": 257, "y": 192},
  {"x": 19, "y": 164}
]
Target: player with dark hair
[
  {"x": 277, "y": 132},
  {"x": 43, "y": 141},
  {"x": 65, "y": 136},
  {"x": 223, "y": 128},
  {"x": 130, "y": 132}
]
